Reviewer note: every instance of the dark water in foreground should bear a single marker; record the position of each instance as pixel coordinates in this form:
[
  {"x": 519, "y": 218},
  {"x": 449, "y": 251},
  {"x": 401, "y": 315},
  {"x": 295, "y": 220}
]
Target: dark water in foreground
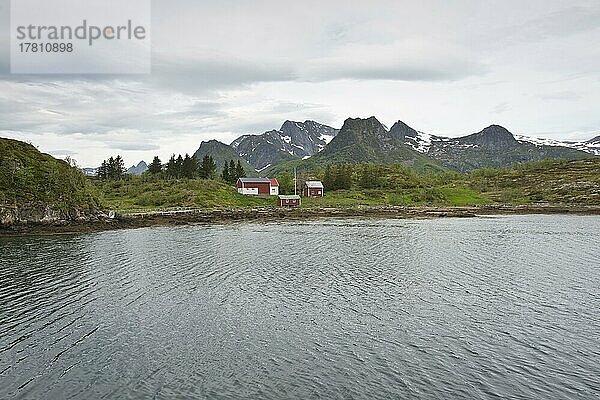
[{"x": 504, "y": 307}]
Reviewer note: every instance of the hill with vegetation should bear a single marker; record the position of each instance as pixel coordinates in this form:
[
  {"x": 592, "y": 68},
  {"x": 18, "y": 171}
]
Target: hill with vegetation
[
  {"x": 575, "y": 183},
  {"x": 553, "y": 182},
  {"x": 38, "y": 187},
  {"x": 221, "y": 154},
  {"x": 147, "y": 193}
]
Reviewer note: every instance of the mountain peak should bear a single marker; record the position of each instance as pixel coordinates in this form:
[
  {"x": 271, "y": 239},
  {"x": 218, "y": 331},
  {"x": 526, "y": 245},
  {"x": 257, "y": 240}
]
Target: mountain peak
[
  {"x": 363, "y": 124},
  {"x": 400, "y": 130},
  {"x": 138, "y": 169},
  {"x": 212, "y": 142},
  {"x": 308, "y": 125},
  {"x": 366, "y": 132},
  {"x": 288, "y": 125},
  {"x": 293, "y": 140},
  {"x": 492, "y": 136}
]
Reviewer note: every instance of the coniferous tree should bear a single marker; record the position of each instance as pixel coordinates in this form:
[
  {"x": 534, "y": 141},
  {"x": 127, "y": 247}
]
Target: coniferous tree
[
  {"x": 103, "y": 170},
  {"x": 239, "y": 170},
  {"x": 179, "y": 166},
  {"x": 189, "y": 167},
  {"x": 113, "y": 168},
  {"x": 208, "y": 168},
  {"x": 232, "y": 172},
  {"x": 212, "y": 168},
  {"x": 118, "y": 169},
  {"x": 109, "y": 167},
  {"x": 155, "y": 166},
  {"x": 172, "y": 167},
  {"x": 225, "y": 173}
]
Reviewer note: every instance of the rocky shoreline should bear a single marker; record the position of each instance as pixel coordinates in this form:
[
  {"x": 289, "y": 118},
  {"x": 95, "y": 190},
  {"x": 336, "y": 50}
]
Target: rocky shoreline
[{"x": 114, "y": 221}]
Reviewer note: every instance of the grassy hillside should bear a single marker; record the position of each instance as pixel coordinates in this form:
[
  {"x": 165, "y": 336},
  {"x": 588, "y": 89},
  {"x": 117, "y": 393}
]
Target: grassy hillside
[
  {"x": 554, "y": 182},
  {"x": 558, "y": 182},
  {"x": 146, "y": 193},
  {"x": 30, "y": 177}
]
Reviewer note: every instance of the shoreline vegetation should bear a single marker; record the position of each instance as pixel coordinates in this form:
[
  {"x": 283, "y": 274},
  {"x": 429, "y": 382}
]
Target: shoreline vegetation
[
  {"x": 117, "y": 221},
  {"x": 40, "y": 194}
]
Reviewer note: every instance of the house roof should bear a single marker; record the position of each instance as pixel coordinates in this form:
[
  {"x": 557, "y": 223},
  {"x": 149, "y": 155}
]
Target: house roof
[
  {"x": 274, "y": 182},
  {"x": 255, "y": 180},
  {"x": 314, "y": 184},
  {"x": 289, "y": 197}
]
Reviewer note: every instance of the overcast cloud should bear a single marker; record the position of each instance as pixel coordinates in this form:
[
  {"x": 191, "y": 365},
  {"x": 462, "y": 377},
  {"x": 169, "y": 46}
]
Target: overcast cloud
[{"x": 226, "y": 68}]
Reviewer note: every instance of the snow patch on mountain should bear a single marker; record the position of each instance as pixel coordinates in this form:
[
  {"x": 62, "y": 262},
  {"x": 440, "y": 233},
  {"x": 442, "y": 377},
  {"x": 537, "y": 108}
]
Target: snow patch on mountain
[{"x": 587, "y": 146}]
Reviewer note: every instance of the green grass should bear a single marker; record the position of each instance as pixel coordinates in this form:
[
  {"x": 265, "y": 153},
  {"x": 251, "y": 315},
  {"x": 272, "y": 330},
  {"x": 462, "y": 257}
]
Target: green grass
[
  {"x": 434, "y": 196},
  {"x": 145, "y": 193},
  {"x": 556, "y": 182}
]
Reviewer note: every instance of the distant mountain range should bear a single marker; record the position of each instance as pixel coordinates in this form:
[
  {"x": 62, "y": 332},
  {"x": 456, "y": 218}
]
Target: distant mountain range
[
  {"x": 589, "y": 146},
  {"x": 494, "y": 146},
  {"x": 422, "y": 142},
  {"x": 311, "y": 145},
  {"x": 138, "y": 169},
  {"x": 367, "y": 140}
]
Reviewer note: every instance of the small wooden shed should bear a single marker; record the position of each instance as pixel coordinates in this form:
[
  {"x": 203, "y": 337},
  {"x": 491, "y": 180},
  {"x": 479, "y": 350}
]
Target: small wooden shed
[{"x": 291, "y": 200}]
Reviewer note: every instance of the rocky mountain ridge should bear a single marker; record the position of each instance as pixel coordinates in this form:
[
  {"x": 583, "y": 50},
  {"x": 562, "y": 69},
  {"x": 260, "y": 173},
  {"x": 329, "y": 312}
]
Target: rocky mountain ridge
[{"x": 292, "y": 141}]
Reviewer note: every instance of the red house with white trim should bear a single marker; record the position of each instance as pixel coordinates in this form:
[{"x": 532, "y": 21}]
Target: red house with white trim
[{"x": 258, "y": 186}]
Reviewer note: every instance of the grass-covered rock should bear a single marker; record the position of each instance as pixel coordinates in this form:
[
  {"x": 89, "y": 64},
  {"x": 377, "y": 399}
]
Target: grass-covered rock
[{"x": 37, "y": 187}]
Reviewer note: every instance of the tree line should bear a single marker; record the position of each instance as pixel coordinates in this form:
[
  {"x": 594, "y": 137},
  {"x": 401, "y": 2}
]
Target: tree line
[
  {"x": 232, "y": 171},
  {"x": 184, "y": 167},
  {"x": 176, "y": 168},
  {"x": 113, "y": 168},
  {"x": 367, "y": 176}
]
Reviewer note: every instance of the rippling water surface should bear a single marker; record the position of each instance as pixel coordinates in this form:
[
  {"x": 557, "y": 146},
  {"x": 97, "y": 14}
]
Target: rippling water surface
[{"x": 503, "y": 307}]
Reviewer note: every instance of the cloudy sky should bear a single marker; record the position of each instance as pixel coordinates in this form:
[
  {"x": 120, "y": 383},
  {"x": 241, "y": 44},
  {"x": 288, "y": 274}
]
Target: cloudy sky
[{"x": 224, "y": 68}]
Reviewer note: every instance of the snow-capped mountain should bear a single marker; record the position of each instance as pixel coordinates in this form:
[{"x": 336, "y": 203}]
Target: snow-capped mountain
[
  {"x": 494, "y": 146},
  {"x": 292, "y": 141},
  {"x": 591, "y": 146},
  {"x": 422, "y": 142}
]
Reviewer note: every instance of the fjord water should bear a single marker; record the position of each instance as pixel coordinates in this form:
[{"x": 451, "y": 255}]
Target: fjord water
[{"x": 499, "y": 307}]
